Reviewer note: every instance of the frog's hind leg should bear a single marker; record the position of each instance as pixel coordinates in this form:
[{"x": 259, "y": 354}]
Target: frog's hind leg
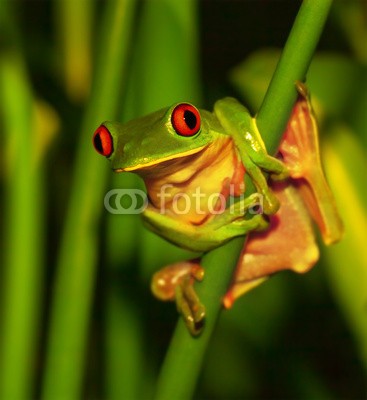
[
  {"x": 175, "y": 282},
  {"x": 289, "y": 243},
  {"x": 300, "y": 150}
]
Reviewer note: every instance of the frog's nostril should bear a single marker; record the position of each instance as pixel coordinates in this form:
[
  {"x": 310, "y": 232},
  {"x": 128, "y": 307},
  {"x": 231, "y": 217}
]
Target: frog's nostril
[{"x": 102, "y": 141}]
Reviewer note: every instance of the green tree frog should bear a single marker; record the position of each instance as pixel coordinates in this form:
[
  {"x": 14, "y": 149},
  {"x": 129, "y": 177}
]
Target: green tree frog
[{"x": 193, "y": 163}]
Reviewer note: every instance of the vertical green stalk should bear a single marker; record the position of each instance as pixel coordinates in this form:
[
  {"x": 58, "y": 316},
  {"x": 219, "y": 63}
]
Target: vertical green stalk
[
  {"x": 23, "y": 222},
  {"x": 164, "y": 71},
  {"x": 344, "y": 158},
  {"x": 73, "y": 20},
  {"x": 75, "y": 277},
  {"x": 185, "y": 355},
  {"x": 292, "y": 66},
  {"x": 23, "y": 234},
  {"x": 124, "y": 345}
]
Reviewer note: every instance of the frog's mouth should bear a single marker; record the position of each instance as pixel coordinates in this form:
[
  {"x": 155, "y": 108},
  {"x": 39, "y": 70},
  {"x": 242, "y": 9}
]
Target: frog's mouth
[{"x": 164, "y": 161}]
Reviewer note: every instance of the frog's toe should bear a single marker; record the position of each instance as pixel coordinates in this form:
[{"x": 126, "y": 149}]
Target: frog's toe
[
  {"x": 258, "y": 223},
  {"x": 271, "y": 203},
  {"x": 190, "y": 307},
  {"x": 281, "y": 176},
  {"x": 262, "y": 223}
]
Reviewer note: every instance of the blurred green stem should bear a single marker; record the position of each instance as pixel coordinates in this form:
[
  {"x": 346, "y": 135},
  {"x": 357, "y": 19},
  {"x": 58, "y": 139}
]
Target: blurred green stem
[
  {"x": 75, "y": 275},
  {"x": 185, "y": 355},
  {"x": 344, "y": 159},
  {"x": 24, "y": 236},
  {"x": 74, "y": 23},
  {"x": 23, "y": 221},
  {"x": 157, "y": 79}
]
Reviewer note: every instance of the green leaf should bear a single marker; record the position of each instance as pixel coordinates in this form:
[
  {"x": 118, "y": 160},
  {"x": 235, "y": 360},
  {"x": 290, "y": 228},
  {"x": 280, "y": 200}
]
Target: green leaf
[{"x": 344, "y": 159}]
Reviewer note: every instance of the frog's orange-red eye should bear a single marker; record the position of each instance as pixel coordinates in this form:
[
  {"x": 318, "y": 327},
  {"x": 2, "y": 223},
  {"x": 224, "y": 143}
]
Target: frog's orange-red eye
[
  {"x": 186, "y": 119},
  {"x": 102, "y": 141}
]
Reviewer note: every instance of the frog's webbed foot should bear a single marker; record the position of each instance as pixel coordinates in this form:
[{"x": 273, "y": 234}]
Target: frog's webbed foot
[
  {"x": 300, "y": 150},
  {"x": 233, "y": 218},
  {"x": 278, "y": 172},
  {"x": 176, "y": 283},
  {"x": 189, "y": 305},
  {"x": 237, "y": 122}
]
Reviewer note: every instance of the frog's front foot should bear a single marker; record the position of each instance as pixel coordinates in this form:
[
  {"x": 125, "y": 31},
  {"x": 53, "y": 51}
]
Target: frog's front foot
[
  {"x": 176, "y": 282},
  {"x": 280, "y": 176}
]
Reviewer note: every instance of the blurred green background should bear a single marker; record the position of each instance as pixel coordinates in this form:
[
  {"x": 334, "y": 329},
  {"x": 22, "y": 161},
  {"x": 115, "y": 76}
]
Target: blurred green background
[{"x": 77, "y": 319}]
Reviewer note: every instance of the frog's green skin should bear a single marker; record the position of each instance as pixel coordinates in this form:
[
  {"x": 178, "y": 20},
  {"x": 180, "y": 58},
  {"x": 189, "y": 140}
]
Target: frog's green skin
[
  {"x": 215, "y": 160},
  {"x": 209, "y": 160}
]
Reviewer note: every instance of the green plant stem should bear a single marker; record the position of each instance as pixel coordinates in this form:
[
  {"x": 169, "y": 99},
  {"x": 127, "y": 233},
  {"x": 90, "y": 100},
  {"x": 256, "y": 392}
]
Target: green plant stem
[
  {"x": 24, "y": 236},
  {"x": 292, "y": 66},
  {"x": 75, "y": 273},
  {"x": 157, "y": 79},
  {"x": 74, "y": 24},
  {"x": 23, "y": 221},
  {"x": 185, "y": 355},
  {"x": 23, "y": 265},
  {"x": 344, "y": 158}
]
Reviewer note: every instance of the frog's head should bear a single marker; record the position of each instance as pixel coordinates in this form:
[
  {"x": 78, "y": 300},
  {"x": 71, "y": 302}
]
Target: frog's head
[{"x": 167, "y": 134}]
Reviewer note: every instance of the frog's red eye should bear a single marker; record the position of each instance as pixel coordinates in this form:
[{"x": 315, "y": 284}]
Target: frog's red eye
[
  {"x": 102, "y": 141},
  {"x": 186, "y": 119}
]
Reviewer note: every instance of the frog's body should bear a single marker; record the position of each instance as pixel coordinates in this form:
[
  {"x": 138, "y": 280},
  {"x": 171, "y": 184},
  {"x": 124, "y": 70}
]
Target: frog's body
[
  {"x": 164, "y": 182},
  {"x": 193, "y": 162}
]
